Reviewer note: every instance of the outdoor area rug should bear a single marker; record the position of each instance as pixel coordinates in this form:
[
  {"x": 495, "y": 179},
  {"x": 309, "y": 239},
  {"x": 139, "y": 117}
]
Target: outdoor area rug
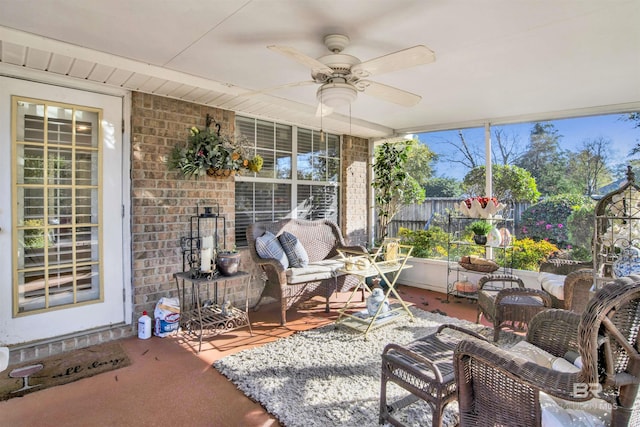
[
  {"x": 18, "y": 380},
  {"x": 331, "y": 377}
]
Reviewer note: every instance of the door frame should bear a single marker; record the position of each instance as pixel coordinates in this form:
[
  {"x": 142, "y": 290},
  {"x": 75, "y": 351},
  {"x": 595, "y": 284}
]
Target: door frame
[{"x": 29, "y": 84}]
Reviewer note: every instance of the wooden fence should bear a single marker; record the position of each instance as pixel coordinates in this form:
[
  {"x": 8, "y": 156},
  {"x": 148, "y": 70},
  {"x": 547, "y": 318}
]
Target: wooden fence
[{"x": 435, "y": 211}]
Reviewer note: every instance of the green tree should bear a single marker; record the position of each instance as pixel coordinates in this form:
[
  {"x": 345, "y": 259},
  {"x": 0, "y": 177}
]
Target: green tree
[
  {"x": 443, "y": 187},
  {"x": 420, "y": 163},
  {"x": 393, "y": 186},
  {"x": 588, "y": 167},
  {"x": 546, "y": 162},
  {"x": 635, "y": 117},
  {"x": 509, "y": 183}
]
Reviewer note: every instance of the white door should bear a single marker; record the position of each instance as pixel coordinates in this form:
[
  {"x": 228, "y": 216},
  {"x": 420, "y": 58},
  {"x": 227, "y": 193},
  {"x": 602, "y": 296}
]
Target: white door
[{"x": 62, "y": 230}]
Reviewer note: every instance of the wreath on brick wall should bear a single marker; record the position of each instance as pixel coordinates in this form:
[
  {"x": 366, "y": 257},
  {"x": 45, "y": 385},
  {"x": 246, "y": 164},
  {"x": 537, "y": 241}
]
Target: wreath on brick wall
[{"x": 207, "y": 152}]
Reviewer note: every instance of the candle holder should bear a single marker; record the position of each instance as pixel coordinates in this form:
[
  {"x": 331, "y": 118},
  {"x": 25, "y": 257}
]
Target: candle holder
[{"x": 200, "y": 248}]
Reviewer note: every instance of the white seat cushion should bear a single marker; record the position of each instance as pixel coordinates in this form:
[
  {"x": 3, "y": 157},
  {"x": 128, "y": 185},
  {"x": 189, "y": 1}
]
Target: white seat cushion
[
  {"x": 317, "y": 270},
  {"x": 552, "y": 283},
  {"x": 558, "y": 412}
]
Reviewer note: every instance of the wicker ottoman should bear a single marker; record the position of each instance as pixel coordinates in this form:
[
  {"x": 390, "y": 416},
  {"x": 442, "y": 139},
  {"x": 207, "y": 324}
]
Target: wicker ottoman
[{"x": 425, "y": 369}]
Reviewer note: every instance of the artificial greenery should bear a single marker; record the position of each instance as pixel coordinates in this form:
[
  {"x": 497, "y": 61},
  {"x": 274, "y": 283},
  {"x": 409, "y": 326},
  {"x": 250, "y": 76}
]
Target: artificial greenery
[
  {"x": 209, "y": 153},
  {"x": 480, "y": 227}
]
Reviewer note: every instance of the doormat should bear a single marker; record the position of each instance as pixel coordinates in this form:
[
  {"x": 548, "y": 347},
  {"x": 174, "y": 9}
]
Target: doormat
[{"x": 18, "y": 380}]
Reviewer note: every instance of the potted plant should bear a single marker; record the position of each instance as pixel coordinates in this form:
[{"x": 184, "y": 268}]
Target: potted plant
[{"x": 480, "y": 230}]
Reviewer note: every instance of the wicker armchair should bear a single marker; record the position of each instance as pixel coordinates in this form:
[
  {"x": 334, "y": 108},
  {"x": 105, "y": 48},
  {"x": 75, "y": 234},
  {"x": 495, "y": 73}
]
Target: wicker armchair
[
  {"x": 497, "y": 388},
  {"x": 504, "y": 301},
  {"x": 577, "y": 284}
]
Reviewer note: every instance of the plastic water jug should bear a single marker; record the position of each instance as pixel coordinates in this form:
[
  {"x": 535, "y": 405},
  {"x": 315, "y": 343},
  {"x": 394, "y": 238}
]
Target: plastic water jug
[{"x": 144, "y": 326}]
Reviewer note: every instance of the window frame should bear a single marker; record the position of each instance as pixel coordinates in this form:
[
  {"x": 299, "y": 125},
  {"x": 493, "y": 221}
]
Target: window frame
[
  {"x": 293, "y": 180},
  {"x": 74, "y": 296}
]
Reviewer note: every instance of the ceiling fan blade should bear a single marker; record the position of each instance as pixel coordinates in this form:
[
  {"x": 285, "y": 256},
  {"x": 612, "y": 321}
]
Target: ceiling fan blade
[
  {"x": 406, "y": 58},
  {"x": 323, "y": 110},
  {"x": 314, "y": 64},
  {"x": 275, "y": 88},
  {"x": 389, "y": 93}
]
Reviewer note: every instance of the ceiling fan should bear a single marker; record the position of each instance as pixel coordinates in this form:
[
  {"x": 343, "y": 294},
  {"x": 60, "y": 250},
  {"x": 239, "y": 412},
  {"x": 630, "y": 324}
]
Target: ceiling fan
[{"x": 341, "y": 76}]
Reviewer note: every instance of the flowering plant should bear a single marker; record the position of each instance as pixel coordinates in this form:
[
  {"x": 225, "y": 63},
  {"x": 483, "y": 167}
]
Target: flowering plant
[
  {"x": 482, "y": 200},
  {"x": 209, "y": 153},
  {"x": 480, "y": 207}
]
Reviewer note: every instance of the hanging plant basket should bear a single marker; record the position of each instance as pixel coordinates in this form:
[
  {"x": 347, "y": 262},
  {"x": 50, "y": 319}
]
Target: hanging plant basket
[
  {"x": 209, "y": 153},
  {"x": 220, "y": 173}
]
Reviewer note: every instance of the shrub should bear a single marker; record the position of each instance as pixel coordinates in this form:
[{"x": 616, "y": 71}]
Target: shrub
[
  {"x": 547, "y": 220},
  {"x": 580, "y": 229},
  {"x": 528, "y": 253},
  {"x": 431, "y": 243}
]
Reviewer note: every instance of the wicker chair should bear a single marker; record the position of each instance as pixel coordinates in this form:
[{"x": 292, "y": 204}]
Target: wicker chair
[
  {"x": 577, "y": 284},
  {"x": 497, "y": 388},
  {"x": 504, "y": 301}
]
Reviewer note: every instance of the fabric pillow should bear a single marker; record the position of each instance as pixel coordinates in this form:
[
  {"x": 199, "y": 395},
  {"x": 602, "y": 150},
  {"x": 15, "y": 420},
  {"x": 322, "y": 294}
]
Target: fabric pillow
[
  {"x": 296, "y": 253},
  {"x": 268, "y": 246}
]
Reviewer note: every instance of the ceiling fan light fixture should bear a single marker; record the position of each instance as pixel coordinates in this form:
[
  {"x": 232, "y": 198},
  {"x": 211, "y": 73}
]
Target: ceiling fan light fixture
[{"x": 335, "y": 95}]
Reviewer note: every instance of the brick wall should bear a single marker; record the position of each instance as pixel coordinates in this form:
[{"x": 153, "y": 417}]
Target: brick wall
[
  {"x": 355, "y": 190},
  {"x": 163, "y": 201}
]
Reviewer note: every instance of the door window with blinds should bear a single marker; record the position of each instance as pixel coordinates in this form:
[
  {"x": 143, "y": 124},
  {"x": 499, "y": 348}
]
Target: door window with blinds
[
  {"x": 57, "y": 189},
  {"x": 299, "y": 178}
]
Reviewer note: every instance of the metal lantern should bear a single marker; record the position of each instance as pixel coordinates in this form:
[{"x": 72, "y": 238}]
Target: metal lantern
[{"x": 206, "y": 229}]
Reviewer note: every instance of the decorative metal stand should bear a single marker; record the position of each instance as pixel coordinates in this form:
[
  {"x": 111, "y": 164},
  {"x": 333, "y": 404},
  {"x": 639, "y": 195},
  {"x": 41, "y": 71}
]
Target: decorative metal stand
[
  {"x": 617, "y": 232},
  {"x": 200, "y": 248}
]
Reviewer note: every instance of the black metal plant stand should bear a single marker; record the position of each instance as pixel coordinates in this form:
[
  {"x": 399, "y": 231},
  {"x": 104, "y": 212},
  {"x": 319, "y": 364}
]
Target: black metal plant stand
[{"x": 206, "y": 236}]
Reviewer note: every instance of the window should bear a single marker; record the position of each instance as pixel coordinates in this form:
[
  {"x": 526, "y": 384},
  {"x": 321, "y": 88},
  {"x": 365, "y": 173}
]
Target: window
[
  {"x": 56, "y": 181},
  {"x": 299, "y": 178}
]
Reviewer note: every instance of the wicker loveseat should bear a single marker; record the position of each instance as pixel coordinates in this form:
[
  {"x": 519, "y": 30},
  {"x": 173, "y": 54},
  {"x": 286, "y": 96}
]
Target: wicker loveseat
[
  {"x": 496, "y": 387},
  {"x": 321, "y": 240}
]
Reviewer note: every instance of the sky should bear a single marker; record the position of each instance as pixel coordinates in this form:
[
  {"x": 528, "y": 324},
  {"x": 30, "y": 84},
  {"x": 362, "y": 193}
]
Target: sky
[{"x": 622, "y": 134}]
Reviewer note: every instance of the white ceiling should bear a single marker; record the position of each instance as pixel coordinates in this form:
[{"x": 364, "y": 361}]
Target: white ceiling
[{"x": 496, "y": 60}]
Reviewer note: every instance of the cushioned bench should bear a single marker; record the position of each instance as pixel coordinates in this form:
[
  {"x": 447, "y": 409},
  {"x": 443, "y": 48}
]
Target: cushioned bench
[{"x": 300, "y": 259}]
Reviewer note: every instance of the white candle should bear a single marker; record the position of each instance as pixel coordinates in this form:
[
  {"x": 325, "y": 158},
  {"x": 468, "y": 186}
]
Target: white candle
[
  {"x": 207, "y": 242},
  {"x": 206, "y": 256}
]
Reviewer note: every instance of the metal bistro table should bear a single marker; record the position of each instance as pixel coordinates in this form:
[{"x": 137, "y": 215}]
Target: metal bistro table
[
  {"x": 197, "y": 315},
  {"x": 367, "y": 265}
]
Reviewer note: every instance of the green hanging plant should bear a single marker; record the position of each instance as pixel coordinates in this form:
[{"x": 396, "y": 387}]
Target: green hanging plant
[{"x": 207, "y": 152}]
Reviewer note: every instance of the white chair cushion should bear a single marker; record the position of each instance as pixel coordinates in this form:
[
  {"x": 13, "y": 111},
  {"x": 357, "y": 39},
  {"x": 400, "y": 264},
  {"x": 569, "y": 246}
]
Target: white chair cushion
[
  {"x": 317, "y": 270},
  {"x": 552, "y": 283},
  {"x": 558, "y": 412}
]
